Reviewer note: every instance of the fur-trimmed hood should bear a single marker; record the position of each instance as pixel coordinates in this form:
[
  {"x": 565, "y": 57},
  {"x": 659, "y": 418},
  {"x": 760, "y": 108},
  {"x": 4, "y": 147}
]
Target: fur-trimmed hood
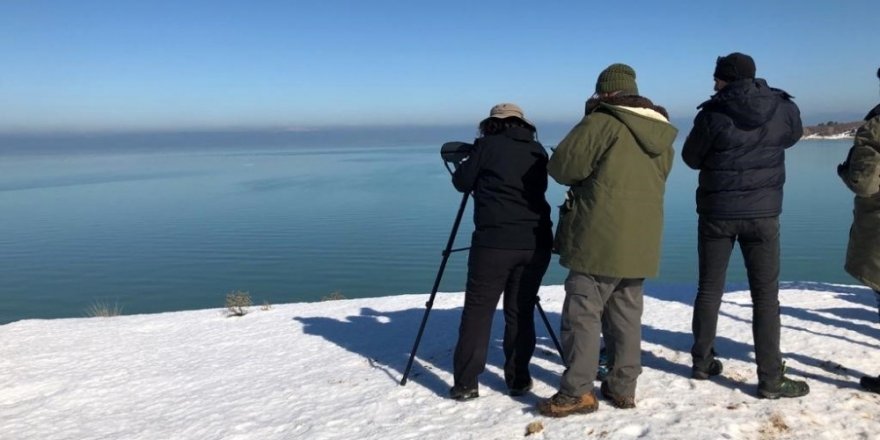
[
  {"x": 648, "y": 123},
  {"x": 625, "y": 101}
]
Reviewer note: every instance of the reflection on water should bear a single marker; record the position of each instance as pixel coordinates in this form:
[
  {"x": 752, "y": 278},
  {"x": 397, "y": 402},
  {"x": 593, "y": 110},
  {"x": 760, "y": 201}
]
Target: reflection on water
[{"x": 171, "y": 231}]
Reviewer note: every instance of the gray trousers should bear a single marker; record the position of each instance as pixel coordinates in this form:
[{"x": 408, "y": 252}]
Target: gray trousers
[{"x": 587, "y": 299}]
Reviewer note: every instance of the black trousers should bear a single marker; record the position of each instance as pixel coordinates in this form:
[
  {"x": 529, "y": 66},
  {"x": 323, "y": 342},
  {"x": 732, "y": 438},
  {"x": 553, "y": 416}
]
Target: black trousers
[
  {"x": 517, "y": 273},
  {"x": 877, "y": 294},
  {"x": 759, "y": 241}
]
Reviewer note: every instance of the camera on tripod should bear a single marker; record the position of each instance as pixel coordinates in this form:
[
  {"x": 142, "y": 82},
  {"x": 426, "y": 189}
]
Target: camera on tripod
[{"x": 454, "y": 153}]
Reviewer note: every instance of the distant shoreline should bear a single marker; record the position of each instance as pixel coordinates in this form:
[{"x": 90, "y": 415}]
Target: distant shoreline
[
  {"x": 834, "y": 137},
  {"x": 831, "y": 131}
]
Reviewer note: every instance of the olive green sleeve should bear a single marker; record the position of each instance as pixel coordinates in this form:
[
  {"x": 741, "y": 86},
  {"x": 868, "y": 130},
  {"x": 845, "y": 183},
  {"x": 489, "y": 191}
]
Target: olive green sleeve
[
  {"x": 861, "y": 171},
  {"x": 577, "y": 155}
]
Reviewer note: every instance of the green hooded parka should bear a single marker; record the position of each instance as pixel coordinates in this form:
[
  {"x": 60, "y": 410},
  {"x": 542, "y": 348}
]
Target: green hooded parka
[
  {"x": 615, "y": 161},
  {"x": 861, "y": 174}
]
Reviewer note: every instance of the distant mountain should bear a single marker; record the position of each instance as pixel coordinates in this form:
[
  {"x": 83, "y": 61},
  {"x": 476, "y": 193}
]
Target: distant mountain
[{"x": 832, "y": 130}]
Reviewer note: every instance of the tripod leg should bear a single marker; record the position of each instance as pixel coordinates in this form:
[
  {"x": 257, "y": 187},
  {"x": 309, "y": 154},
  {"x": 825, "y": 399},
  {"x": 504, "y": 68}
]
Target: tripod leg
[
  {"x": 430, "y": 302},
  {"x": 550, "y": 330},
  {"x": 412, "y": 355}
]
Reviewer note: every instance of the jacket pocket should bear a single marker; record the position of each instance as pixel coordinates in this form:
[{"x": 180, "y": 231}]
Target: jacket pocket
[
  {"x": 861, "y": 171},
  {"x": 563, "y": 223}
]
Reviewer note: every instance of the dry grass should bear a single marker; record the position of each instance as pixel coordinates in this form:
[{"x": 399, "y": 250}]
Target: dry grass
[
  {"x": 334, "y": 296},
  {"x": 103, "y": 309},
  {"x": 774, "y": 427}
]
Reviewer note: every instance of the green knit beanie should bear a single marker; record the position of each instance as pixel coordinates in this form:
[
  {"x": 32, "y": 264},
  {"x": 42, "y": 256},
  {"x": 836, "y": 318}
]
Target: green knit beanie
[{"x": 617, "y": 78}]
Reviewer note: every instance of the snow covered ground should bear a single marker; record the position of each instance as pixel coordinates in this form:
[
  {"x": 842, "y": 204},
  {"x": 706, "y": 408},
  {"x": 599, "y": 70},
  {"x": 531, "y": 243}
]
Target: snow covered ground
[{"x": 331, "y": 370}]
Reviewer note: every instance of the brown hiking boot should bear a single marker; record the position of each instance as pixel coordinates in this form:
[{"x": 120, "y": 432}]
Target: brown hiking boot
[
  {"x": 620, "y": 402},
  {"x": 561, "y": 405}
]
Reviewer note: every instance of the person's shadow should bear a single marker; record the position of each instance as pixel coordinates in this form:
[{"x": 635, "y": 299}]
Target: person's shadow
[
  {"x": 843, "y": 318},
  {"x": 386, "y": 340}
]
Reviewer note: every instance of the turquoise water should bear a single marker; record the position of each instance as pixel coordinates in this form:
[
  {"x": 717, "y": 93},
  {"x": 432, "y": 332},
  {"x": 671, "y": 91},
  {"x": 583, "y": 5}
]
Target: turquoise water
[{"x": 172, "y": 231}]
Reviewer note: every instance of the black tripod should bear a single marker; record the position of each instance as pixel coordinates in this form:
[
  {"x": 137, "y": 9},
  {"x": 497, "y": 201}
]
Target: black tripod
[{"x": 454, "y": 152}]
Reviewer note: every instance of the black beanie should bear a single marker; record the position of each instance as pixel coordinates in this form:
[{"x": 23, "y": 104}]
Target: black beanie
[{"x": 734, "y": 67}]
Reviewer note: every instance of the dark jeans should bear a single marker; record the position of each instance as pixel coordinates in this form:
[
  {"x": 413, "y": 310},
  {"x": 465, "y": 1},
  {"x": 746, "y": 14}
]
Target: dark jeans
[
  {"x": 759, "y": 241},
  {"x": 517, "y": 273}
]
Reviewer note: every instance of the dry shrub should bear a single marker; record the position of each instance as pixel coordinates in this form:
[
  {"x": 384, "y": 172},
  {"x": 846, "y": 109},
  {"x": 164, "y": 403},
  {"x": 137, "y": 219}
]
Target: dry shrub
[
  {"x": 237, "y": 303},
  {"x": 534, "y": 428}
]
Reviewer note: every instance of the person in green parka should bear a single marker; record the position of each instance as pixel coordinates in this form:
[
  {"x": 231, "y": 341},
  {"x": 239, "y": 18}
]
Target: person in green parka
[
  {"x": 861, "y": 174},
  {"x": 615, "y": 162}
]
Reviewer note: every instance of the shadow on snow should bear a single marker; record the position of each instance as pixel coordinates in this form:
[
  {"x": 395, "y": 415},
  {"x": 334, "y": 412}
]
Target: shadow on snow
[{"x": 385, "y": 339}]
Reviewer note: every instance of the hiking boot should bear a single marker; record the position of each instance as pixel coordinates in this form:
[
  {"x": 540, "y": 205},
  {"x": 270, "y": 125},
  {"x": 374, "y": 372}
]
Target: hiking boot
[
  {"x": 517, "y": 391},
  {"x": 620, "y": 402},
  {"x": 561, "y": 405},
  {"x": 715, "y": 368},
  {"x": 461, "y": 393},
  {"x": 785, "y": 387},
  {"x": 870, "y": 383}
]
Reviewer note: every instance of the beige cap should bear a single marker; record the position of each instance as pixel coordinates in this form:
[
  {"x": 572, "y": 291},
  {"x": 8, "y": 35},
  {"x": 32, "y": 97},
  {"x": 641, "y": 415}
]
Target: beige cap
[{"x": 508, "y": 110}]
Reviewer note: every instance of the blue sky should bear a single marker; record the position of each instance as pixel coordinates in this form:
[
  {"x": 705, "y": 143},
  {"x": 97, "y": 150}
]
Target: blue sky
[{"x": 169, "y": 65}]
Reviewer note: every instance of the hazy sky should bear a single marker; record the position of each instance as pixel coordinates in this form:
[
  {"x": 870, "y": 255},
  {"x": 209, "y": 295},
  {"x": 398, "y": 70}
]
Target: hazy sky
[{"x": 123, "y": 65}]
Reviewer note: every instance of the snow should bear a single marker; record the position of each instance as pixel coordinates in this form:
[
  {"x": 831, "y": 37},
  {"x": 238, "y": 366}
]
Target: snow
[
  {"x": 331, "y": 370},
  {"x": 839, "y": 136}
]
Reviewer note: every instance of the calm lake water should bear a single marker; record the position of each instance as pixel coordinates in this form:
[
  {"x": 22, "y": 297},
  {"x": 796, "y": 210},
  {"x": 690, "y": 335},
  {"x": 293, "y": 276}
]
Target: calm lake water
[{"x": 172, "y": 231}]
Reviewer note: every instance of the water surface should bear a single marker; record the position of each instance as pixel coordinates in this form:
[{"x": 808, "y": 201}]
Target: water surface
[{"x": 178, "y": 230}]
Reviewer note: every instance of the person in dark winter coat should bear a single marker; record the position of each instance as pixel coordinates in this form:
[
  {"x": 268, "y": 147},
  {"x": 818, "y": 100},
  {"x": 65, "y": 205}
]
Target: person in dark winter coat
[
  {"x": 738, "y": 144},
  {"x": 615, "y": 161},
  {"x": 510, "y": 247},
  {"x": 861, "y": 174}
]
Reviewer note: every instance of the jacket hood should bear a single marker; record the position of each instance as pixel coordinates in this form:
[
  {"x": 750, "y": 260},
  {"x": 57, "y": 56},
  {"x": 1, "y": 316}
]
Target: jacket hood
[
  {"x": 647, "y": 123},
  {"x": 521, "y": 134},
  {"x": 869, "y": 133},
  {"x": 873, "y": 113},
  {"x": 750, "y": 103}
]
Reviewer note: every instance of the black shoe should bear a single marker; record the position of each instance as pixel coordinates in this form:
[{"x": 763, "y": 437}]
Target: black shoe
[
  {"x": 517, "y": 391},
  {"x": 715, "y": 368},
  {"x": 870, "y": 383},
  {"x": 620, "y": 402},
  {"x": 785, "y": 387},
  {"x": 461, "y": 393}
]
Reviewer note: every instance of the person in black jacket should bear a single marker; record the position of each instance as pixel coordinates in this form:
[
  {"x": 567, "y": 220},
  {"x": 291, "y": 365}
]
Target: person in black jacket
[
  {"x": 510, "y": 247},
  {"x": 738, "y": 143}
]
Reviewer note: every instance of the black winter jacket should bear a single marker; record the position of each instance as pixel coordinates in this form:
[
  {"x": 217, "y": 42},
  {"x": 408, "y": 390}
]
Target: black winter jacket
[
  {"x": 738, "y": 143},
  {"x": 507, "y": 173}
]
